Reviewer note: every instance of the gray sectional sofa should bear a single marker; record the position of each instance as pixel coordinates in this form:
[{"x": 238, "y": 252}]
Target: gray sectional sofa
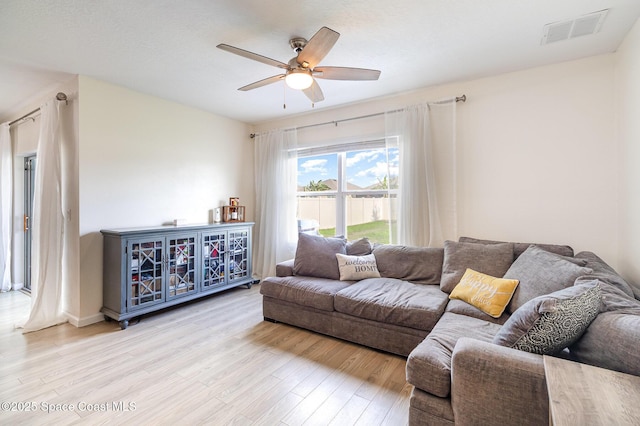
[{"x": 467, "y": 367}]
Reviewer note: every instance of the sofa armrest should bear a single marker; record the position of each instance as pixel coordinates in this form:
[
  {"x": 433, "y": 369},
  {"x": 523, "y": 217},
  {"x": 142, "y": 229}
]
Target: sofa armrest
[
  {"x": 285, "y": 269},
  {"x": 493, "y": 384}
]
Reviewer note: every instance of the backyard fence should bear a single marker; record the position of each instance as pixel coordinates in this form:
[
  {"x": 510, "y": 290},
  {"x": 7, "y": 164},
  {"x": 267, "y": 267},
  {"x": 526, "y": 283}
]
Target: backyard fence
[{"x": 359, "y": 210}]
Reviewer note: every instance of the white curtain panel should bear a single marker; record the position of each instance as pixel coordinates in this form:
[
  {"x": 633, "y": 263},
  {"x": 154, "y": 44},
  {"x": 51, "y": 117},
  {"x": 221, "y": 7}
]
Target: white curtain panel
[
  {"x": 275, "y": 173},
  {"x": 48, "y": 225},
  {"x": 443, "y": 131},
  {"x": 6, "y": 211},
  {"x": 426, "y": 139}
]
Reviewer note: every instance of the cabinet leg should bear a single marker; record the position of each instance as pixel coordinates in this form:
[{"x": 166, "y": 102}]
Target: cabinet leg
[
  {"x": 124, "y": 324},
  {"x": 249, "y": 285}
]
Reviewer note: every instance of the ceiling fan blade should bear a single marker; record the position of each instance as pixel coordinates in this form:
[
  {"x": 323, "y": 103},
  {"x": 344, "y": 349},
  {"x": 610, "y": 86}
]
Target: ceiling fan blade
[
  {"x": 318, "y": 47},
  {"x": 314, "y": 93},
  {"x": 252, "y": 56},
  {"x": 345, "y": 73},
  {"x": 264, "y": 82}
]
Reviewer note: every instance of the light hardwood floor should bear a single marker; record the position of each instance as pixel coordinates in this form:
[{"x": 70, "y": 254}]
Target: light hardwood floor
[{"x": 214, "y": 361}]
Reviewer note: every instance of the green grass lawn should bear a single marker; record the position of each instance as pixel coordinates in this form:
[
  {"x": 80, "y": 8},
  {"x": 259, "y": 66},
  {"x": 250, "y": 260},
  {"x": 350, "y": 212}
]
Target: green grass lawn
[{"x": 377, "y": 231}]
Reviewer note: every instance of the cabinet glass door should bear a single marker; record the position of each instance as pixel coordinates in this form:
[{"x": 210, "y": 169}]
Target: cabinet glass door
[
  {"x": 238, "y": 255},
  {"x": 146, "y": 273},
  {"x": 213, "y": 260},
  {"x": 181, "y": 262}
]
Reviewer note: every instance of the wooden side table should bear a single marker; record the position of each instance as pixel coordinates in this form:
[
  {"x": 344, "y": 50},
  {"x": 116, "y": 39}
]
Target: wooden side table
[{"x": 581, "y": 394}]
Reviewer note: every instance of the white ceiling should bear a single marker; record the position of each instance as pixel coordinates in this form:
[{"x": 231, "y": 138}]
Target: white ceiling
[{"x": 167, "y": 48}]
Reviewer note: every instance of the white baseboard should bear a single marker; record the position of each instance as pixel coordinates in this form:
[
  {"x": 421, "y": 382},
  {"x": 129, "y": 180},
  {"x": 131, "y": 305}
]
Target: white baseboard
[{"x": 83, "y": 322}]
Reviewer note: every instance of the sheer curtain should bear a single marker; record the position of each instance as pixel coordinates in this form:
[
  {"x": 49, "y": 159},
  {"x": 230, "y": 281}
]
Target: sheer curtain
[
  {"x": 425, "y": 135},
  {"x": 275, "y": 174},
  {"x": 48, "y": 225},
  {"x": 6, "y": 212}
]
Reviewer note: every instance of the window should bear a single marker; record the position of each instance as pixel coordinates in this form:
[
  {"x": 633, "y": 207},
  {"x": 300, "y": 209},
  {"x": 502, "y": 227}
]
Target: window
[{"x": 349, "y": 190}]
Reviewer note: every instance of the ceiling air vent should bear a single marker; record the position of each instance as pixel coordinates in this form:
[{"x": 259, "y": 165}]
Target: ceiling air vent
[{"x": 581, "y": 26}]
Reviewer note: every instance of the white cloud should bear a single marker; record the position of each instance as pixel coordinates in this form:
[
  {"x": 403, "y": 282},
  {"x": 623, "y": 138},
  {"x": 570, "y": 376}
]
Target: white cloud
[
  {"x": 379, "y": 171},
  {"x": 364, "y": 156},
  {"x": 314, "y": 166}
]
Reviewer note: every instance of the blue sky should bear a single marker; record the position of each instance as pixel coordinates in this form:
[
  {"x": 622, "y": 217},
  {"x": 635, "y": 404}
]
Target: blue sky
[{"x": 364, "y": 168}]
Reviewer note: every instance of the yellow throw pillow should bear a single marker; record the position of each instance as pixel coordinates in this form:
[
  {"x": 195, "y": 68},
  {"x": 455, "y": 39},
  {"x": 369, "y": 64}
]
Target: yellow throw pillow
[{"x": 489, "y": 294}]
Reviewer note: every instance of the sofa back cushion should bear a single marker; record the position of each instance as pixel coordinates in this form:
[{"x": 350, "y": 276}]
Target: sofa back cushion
[
  {"x": 519, "y": 248},
  {"x": 541, "y": 272},
  {"x": 360, "y": 247},
  {"x": 316, "y": 256},
  {"x": 490, "y": 259},
  {"x": 422, "y": 265},
  {"x": 605, "y": 273}
]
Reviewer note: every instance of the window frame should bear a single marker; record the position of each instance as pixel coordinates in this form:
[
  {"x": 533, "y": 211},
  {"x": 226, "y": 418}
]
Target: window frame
[{"x": 341, "y": 193}]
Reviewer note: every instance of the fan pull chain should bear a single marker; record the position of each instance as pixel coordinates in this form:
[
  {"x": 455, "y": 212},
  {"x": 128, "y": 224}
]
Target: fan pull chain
[{"x": 284, "y": 96}]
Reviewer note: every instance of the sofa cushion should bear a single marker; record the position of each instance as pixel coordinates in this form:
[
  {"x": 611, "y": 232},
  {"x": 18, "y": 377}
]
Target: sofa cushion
[
  {"x": 489, "y": 294},
  {"x": 611, "y": 341},
  {"x": 429, "y": 364},
  {"x": 316, "y": 256},
  {"x": 540, "y": 272},
  {"x": 490, "y": 259},
  {"x": 359, "y": 247},
  {"x": 519, "y": 248},
  {"x": 463, "y": 308},
  {"x": 416, "y": 264},
  {"x": 605, "y": 273},
  {"x": 548, "y": 324},
  {"x": 393, "y": 301},
  {"x": 357, "y": 267},
  {"x": 306, "y": 291}
]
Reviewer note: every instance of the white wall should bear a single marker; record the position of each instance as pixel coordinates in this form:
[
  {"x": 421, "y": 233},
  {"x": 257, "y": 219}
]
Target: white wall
[
  {"x": 537, "y": 158},
  {"x": 145, "y": 161},
  {"x": 628, "y": 119}
]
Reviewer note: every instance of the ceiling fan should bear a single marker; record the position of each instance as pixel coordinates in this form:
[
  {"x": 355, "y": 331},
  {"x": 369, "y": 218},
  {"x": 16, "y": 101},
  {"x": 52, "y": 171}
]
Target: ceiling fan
[{"x": 302, "y": 70}]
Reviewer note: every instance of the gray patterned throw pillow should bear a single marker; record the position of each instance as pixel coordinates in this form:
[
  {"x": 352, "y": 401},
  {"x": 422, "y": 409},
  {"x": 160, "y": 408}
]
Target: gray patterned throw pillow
[{"x": 548, "y": 324}]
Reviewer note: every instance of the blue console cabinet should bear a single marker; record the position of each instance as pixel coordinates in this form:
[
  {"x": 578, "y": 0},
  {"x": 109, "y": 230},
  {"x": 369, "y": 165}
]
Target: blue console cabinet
[{"x": 147, "y": 269}]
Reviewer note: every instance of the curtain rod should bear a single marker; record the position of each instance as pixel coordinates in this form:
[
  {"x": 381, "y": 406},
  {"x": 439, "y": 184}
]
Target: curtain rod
[
  {"x": 462, "y": 98},
  {"x": 60, "y": 96}
]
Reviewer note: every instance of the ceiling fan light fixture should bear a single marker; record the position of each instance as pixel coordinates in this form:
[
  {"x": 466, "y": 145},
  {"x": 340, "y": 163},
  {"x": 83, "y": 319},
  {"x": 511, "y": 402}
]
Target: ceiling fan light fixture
[
  {"x": 299, "y": 79},
  {"x": 301, "y": 72}
]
